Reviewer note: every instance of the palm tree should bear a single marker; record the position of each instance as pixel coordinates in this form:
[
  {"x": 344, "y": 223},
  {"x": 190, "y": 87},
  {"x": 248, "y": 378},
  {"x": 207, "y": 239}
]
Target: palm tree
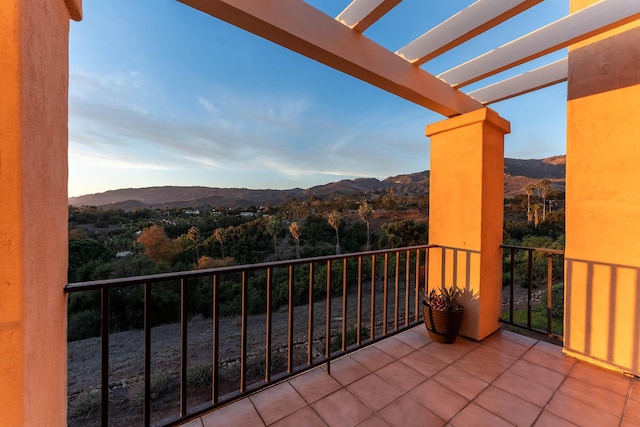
[
  {"x": 220, "y": 235},
  {"x": 294, "y": 229},
  {"x": 544, "y": 186},
  {"x": 194, "y": 235},
  {"x": 274, "y": 225},
  {"x": 366, "y": 212},
  {"x": 334, "y": 221},
  {"x": 528, "y": 190}
]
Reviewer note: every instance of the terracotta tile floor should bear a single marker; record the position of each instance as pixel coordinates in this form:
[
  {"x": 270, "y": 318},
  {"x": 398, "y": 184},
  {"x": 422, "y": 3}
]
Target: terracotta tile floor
[{"x": 407, "y": 380}]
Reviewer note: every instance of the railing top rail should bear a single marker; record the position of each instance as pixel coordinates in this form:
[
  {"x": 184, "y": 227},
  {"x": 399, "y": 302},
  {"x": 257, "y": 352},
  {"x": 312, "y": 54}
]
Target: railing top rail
[
  {"x": 527, "y": 248},
  {"x": 162, "y": 277}
]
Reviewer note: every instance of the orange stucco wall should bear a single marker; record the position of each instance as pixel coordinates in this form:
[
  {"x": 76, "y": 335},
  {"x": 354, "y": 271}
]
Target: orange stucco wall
[
  {"x": 33, "y": 190},
  {"x": 602, "y": 309},
  {"x": 466, "y": 211}
]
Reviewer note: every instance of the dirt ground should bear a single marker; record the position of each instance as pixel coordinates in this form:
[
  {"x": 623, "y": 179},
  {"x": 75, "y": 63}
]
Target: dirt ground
[{"x": 126, "y": 357}]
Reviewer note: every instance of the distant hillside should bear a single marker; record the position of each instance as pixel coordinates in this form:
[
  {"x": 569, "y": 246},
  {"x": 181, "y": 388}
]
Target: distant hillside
[{"x": 518, "y": 173}]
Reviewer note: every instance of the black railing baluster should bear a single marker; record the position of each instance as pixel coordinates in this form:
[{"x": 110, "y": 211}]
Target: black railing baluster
[
  {"x": 359, "y": 306},
  {"x": 183, "y": 347},
  {"x": 344, "y": 304},
  {"x": 396, "y": 297},
  {"x": 243, "y": 334},
  {"x": 147, "y": 354},
  {"x": 372, "y": 307},
  {"x": 511, "y": 289},
  {"x": 215, "y": 331},
  {"x": 267, "y": 351},
  {"x": 530, "y": 284},
  {"x": 220, "y": 395},
  {"x": 290, "y": 322},
  {"x": 549, "y": 292},
  {"x": 407, "y": 283},
  {"x": 385, "y": 293},
  {"x": 104, "y": 343},
  {"x": 310, "y": 318},
  {"x": 529, "y": 278},
  {"x": 327, "y": 339}
]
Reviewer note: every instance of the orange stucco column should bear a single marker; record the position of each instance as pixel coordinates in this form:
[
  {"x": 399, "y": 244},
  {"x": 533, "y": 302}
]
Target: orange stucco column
[
  {"x": 602, "y": 267},
  {"x": 33, "y": 190},
  {"x": 466, "y": 199}
]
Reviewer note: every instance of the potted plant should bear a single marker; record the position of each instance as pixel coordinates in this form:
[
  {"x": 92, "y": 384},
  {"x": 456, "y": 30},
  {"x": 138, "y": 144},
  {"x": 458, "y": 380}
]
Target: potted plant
[{"x": 442, "y": 314}]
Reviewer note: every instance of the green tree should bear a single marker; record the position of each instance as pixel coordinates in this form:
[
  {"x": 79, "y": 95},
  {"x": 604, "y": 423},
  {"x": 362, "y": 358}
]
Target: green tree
[
  {"x": 220, "y": 235},
  {"x": 274, "y": 225},
  {"x": 545, "y": 187},
  {"x": 294, "y": 229},
  {"x": 366, "y": 212},
  {"x": 194, "y": 235},
  {"x": 334, "y": 219}
]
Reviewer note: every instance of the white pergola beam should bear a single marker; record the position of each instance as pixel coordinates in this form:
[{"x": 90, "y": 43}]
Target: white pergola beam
[
  {"x": 464, "y": 25},
  {"x": 361, "y": 14},
  {"x": 300, "y": 27},
  {"x": 541, "y": 77},
  {"x": 590, "y": 21}
]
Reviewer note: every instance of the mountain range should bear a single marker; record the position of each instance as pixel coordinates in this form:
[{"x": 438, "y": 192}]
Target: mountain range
[{"x": 518, "y": 174}]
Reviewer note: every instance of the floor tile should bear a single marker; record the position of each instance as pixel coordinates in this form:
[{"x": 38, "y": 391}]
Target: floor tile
[
  {"x": 444, "y": 352},
  {"x": 341, "y": 409},
  {"x": 562, "y": 365},
  {"x": 503, "y": 345},
  {"x": 462, "y": 383},
  {"x": 601, "y": 377},
  {"x": 394, "y": 347},
  {"x": 423, "y": 363},
  {"x": 507, "y": 406},
  {"x": 518, "y": 338},
  {"x": 580, "y": 413},
  {"x": 537, "y": 374},
  {"x": 475, "y": 416},
  {"x": 346, "y": 370},
  {"x": 237, "y": 414},
  {"x": 439, "y": 399},
  {"x": 407, "y": 412},
  {"x": 304, "y": 417},
  {"x": 635, "y": 390},
  {"x": 277, "y": 402},
  {"x": 372, "y": 358},
  {"x": 315, "y": 384},
  {"x": 594, "y": 396},
  {"x": 632, "y": 412},
  {"x": 402, "y": 376},
  {"x": 374, "y": 392},
  {"x": 547, "y": 419},
  {"x": 374, "y": 421},
  {"x": 524, "y": 389},
  {"x": 479, "y": 367},
  {"x": 416, "y": 337}
]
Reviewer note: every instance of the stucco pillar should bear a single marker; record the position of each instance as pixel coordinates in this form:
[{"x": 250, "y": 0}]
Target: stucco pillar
[
  {"x": 602, "y": 254},
  {"x": 33, "y": 229},
  {"x": 466, "y": 202}
]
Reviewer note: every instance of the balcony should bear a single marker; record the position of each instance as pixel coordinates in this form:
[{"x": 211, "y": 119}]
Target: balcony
[
  {"x": 378, "y": 367},
  {"x": 602, "y": 272},
  {"x": 506, "y": 380}
]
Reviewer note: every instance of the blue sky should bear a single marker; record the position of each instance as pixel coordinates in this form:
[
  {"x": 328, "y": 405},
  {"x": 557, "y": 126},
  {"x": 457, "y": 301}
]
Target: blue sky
[{"x": 162, "y": 94}]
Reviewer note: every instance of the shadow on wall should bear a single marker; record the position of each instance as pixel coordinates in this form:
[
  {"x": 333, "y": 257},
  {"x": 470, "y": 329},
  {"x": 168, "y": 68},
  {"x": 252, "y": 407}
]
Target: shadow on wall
[{"x": 602, "y": 313}]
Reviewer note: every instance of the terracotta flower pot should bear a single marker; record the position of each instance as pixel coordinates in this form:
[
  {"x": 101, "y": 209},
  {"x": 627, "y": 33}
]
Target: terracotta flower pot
[{"x": 442, "y": 326}]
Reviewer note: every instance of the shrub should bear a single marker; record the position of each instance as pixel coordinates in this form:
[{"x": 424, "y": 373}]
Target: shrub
[
  {"x": 85, "y": 403},
  {"x": 200, "y": 376},
  {"x": 83, "y": 324},
  {"x": 557, "y": 301}
]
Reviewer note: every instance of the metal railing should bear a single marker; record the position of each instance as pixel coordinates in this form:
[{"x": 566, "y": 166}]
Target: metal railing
[
  {"x": 382, "y": 288},
  {"x": 539, "y": 271}
]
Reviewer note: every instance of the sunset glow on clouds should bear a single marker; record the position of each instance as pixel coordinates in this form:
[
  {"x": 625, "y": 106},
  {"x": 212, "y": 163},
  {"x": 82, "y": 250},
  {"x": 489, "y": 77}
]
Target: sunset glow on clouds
[{"x": 161, "y": 94}]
